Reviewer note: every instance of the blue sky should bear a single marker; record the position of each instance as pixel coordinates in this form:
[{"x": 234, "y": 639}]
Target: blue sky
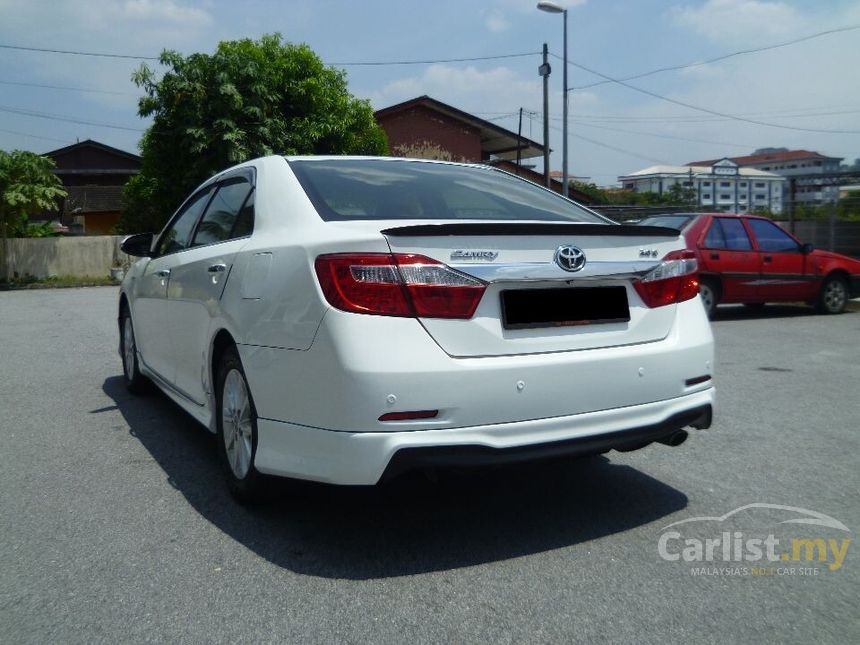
[{"x": 614, "y": 130}]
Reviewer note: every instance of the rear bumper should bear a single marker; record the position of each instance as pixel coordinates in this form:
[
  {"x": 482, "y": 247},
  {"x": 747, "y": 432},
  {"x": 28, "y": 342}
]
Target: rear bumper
[
  {"x": 407, "y": 459},
  {"x": 363, "y": 458}
]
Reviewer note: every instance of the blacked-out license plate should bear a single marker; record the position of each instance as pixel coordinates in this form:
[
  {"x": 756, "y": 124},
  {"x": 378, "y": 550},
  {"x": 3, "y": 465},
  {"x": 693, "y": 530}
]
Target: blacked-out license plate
[{"x": 530, "y": 308}]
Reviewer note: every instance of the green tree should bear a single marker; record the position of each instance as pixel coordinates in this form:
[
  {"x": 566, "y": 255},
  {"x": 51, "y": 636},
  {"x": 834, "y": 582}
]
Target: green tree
[
  {"x": 679, "y": 195},
  {"x": 26, "y": 185},
  {"x": 250, "y": 98},
  {"x": 596, "y": 194}
]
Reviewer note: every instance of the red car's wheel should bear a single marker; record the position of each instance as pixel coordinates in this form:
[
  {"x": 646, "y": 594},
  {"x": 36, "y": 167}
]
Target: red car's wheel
[
  {"x": 709, "y": 292},
  {"x": 833, "y": 295}
]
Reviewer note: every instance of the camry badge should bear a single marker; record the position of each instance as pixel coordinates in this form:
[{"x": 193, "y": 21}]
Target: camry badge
[
  {"x": 570, "y": 258},
  {"x": 472, "y": 254}
]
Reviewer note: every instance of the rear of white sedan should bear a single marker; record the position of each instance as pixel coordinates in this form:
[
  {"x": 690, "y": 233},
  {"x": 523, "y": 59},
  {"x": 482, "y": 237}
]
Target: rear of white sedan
[{"x": 388, "y": 314}]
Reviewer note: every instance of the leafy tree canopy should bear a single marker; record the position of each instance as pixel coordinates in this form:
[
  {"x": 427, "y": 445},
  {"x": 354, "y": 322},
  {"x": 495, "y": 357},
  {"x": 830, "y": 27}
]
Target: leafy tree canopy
[
  {"x": 675, "y": 195},
  {"x": 250, "y": 98},
  {"x": 26, "y": 185}
]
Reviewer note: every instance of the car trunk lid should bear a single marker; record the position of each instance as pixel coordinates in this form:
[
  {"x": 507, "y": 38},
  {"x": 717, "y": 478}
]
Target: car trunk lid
[{"x": 532, "y": 304}]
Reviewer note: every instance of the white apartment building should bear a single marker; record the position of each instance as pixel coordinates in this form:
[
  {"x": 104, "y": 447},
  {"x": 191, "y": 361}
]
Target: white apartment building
[
  {"x": 721, "y": 186},
  {"x": 791, "y": 163}
]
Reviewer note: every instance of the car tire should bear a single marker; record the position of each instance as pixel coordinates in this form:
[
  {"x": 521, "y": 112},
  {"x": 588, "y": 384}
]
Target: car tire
[
  {"x": 135, "y": 382},
  {"x": 833, "y": 295},
  {"x": 236, "y": 429},
  {"x": 709, "y": 292}
]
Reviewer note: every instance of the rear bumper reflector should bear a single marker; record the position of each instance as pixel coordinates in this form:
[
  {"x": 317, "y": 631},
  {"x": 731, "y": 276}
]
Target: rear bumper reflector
[
  {"x": 409, "y": 416},
  {"x": 699, "y": 379}
]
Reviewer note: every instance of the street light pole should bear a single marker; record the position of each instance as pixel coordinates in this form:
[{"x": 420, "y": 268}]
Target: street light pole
[{"x": 554, "y": 7}]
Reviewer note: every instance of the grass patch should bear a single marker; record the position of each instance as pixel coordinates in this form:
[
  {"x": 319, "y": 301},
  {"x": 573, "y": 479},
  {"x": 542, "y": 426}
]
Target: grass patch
[{"x": 58, "y": 282}]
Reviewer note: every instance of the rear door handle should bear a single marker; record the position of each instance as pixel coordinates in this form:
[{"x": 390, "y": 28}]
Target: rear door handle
[
  {"x": 767, "y": 258},
  {"x": 217, "y": 268},
  {"x": 715, "y": 256},
  {"x": 163, "y": 273}
]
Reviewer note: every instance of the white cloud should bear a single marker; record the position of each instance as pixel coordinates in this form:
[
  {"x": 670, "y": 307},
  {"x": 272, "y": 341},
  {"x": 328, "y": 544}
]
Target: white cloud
[
  {"x": 740, "y": 21},
  {"x": 162, "y": 10},
  {"x": 497, "y": 22},
  {"x": 497, "y": 18},
  {"x": 468, "y": 88}
]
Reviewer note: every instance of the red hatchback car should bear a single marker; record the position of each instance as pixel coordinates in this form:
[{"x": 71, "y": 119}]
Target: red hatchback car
[{"x": 749, "y": 259}]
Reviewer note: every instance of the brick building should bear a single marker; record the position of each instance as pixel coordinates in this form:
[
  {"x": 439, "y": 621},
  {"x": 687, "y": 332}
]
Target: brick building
[
  {"x": 93, "y": 174},
  {"x": 425, "y": 128}
]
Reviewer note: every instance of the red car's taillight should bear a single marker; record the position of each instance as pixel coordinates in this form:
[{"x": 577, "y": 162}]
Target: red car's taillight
[
  {"x": 397, "y": 285},
  {"x": 674, "y": 280}
]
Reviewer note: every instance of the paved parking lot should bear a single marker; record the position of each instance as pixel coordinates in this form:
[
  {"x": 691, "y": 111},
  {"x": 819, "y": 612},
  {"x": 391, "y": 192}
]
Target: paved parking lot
[{"x": 116, "y": 527}]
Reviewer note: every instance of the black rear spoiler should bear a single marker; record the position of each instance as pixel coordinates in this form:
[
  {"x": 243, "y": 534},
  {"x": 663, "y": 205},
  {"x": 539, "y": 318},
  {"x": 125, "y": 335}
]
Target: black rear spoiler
[{"x": 530, "y": 228}]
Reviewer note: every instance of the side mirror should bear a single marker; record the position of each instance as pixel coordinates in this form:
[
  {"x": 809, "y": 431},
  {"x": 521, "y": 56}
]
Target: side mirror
[
  {"x": 807, "y": 248},
  {"x": 138, "y": 245}
]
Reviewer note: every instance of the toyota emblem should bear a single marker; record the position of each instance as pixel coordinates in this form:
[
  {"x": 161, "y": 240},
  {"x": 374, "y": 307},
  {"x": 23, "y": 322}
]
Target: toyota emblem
[{"x": 570, "y": 258}]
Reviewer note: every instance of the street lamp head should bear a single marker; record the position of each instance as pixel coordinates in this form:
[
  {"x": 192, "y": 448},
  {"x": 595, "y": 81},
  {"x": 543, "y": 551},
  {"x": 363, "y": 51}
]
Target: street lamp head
[{"x": 550, "y": 7}]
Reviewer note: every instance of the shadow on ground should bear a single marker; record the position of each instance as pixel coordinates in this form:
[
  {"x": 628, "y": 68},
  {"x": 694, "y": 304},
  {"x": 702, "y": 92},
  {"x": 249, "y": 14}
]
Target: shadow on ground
[{"x": 409, "y": 525}]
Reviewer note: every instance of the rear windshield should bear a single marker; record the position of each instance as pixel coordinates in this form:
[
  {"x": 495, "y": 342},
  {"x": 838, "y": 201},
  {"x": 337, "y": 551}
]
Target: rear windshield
[
  {"x": 368, "y": 189},
  {"x": 669, "y": 221}
]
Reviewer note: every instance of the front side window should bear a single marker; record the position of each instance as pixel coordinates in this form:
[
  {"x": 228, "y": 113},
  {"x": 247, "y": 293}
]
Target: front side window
[
  {"x": 771, "y": 238},
  {"x": 220, "y": 220},
  {"x": 377, "y": 189},
  {"x": 176, "y": 236}
]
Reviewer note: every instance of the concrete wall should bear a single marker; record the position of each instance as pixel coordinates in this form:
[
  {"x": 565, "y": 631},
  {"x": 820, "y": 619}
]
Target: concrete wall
[{"x": 65, "y": 256}]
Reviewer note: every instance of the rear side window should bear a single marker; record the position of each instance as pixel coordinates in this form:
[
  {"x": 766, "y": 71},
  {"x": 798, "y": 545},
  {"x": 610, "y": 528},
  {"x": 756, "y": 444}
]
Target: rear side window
[
  {"x": 729, "y": 234},
  {"x": 736, "y": 235},
  {"x": 219, "y": 222},
  {"x": 374, "y": 189}
]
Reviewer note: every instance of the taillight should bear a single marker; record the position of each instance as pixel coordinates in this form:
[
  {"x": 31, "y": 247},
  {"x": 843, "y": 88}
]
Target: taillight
[
  {"x": 397, "y": 285},
  {"x": 674, "y": 280}
]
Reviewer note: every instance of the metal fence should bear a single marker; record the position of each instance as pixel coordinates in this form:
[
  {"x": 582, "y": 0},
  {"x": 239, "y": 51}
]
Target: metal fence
[{"x": 840, "y": 237}]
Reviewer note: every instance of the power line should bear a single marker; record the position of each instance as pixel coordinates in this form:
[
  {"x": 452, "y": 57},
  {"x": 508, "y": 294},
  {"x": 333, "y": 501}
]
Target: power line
[
  {"x": 717, "y": 59},
  {"x": 342, "y": 64},
  {"x": 59, "y": 117},
  {"x": 67, "y": 87},
  {"x": 662, "y": 136},
  {"x": 611, "y": 118},
  {"x": 615, "y": 149},
  {"x": 698, "y": 108},
  {"x": 33, "y": 136},
  {"x": 76, "y": 53},
  {"x": 431, "y": 62}
]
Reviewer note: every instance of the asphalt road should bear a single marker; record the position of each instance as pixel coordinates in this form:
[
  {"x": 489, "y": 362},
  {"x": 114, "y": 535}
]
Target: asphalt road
[{"x": 115, "y": 526}]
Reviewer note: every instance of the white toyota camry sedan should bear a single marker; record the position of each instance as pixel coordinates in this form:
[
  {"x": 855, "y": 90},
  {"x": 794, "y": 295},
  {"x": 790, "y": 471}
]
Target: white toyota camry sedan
[{"x": 342, "y": 319}]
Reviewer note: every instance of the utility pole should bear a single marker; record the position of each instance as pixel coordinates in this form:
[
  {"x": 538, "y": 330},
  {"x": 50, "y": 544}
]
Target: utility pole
[
  {"x": 519, "y": 142},
  {"x": 545, "y": 70},
  {"x": 565, "y": 178},
  {"x": 792, "y": 195}
]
